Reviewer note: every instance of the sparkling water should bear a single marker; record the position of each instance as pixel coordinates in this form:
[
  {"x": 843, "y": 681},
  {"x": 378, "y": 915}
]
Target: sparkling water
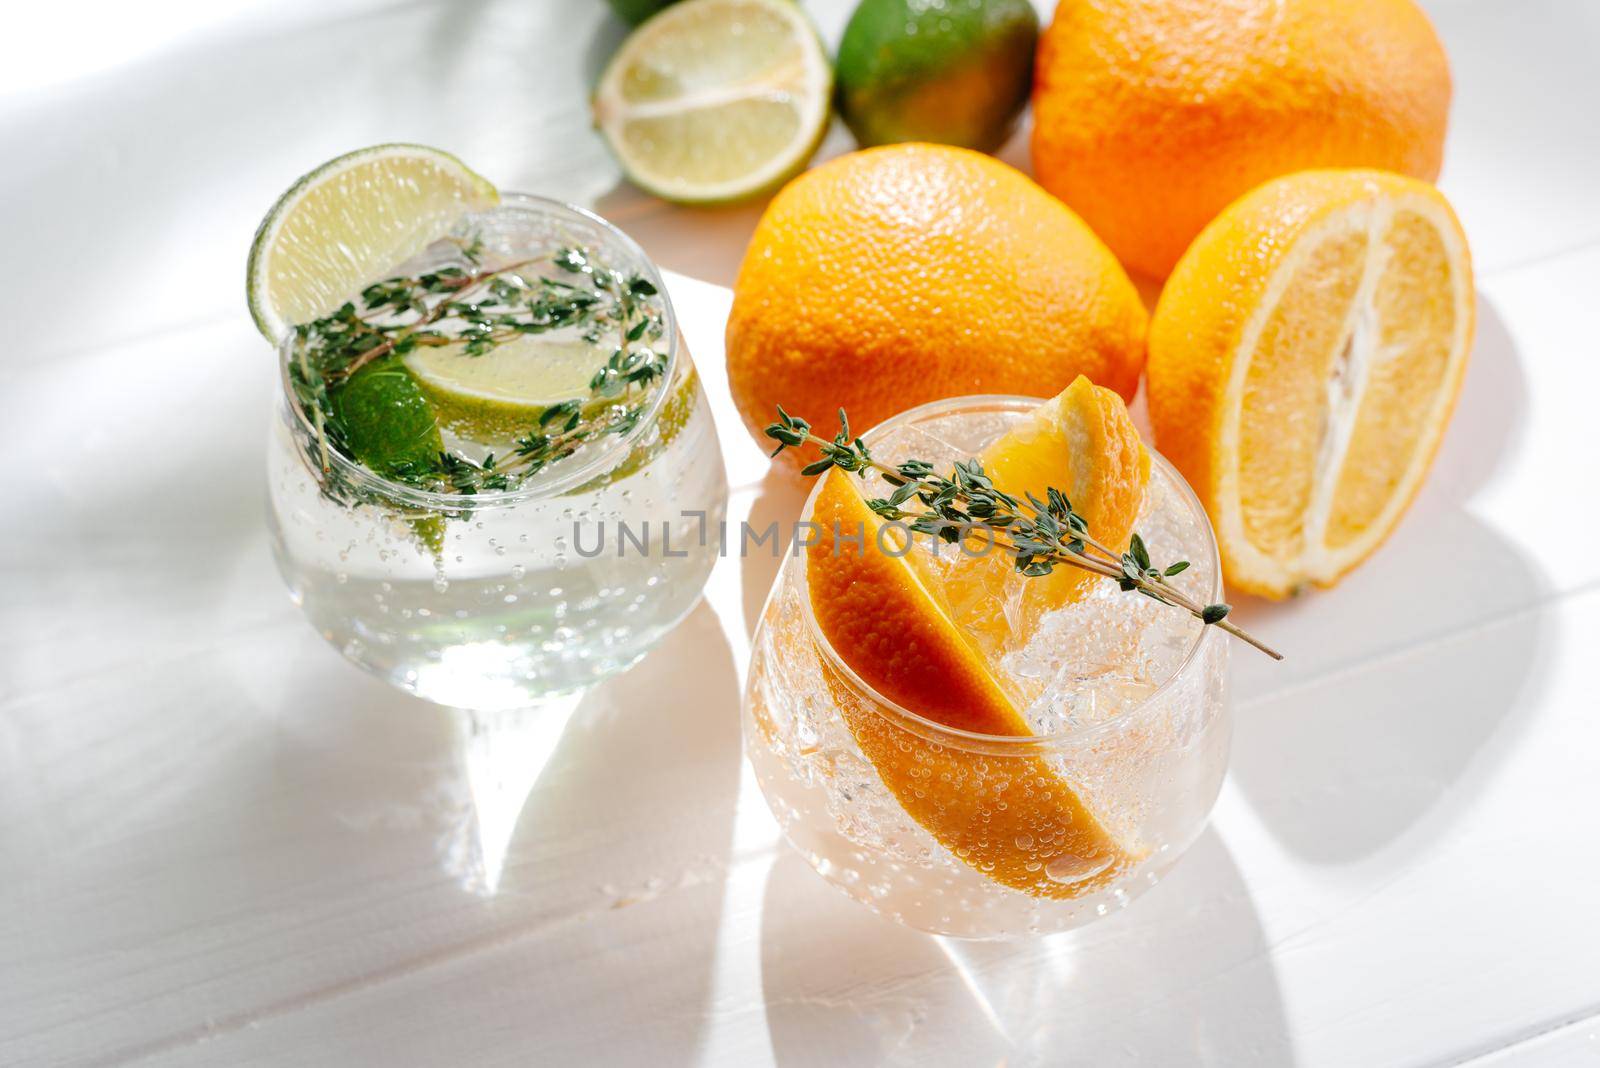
[
  {"x": 495, "y": 601},
  {"x": 508, "y": 611}
]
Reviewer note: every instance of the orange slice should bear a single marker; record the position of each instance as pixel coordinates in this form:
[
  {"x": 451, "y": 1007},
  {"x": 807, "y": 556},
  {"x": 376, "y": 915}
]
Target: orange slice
[
  {"x": 1012, "y": 817},
  {"x": 1305, "y": 358},
  {"x": 1080, "y": 442}
]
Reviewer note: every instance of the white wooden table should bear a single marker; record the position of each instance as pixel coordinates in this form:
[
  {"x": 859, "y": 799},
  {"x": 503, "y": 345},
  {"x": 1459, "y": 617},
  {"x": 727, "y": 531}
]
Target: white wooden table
[{"x": 221, "y": 844}]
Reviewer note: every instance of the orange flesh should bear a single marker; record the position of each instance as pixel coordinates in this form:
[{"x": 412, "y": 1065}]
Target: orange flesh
[
  {"x": 1417, "y": 321},
  {"x": 1283, "y": 424},
  {"x": 1083, "y": 443},
  {"x": 1322, "y": 327}
]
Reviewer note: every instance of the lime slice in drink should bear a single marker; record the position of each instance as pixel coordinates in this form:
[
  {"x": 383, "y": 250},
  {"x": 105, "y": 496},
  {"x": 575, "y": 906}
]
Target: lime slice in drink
[
  {"x": 345, "y": 224},
  {"x": 714, "y": 100},
  {"x": 496, "y": 397}
]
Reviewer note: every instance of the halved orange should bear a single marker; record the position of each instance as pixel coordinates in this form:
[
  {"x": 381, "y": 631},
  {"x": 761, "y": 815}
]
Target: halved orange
[
  {"x": 1305, "y": 357},
  {"x": 1012, "y": 817}
]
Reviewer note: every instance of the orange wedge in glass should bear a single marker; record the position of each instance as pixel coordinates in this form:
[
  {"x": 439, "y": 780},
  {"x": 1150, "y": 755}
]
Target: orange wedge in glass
[
  {"x": 1012, "y": 817},
  {"x": 1082, "y": 443}
]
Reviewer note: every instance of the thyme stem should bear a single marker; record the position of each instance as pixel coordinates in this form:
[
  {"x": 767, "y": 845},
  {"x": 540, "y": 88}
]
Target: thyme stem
[
  {"x": 1055, "y": 534},
  {"x": 462, "y": 287}
]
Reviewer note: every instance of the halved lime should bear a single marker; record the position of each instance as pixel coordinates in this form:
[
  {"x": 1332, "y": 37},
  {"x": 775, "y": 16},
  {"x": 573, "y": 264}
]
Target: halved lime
[
  {"x": 715, "y": 100},
  {"x": 348, "y": 222}
]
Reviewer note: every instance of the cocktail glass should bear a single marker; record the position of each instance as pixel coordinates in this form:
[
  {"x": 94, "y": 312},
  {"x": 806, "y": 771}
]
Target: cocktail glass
[
  {"x": 1128, "y": 707},
  {"x": 500, "y": 599}
]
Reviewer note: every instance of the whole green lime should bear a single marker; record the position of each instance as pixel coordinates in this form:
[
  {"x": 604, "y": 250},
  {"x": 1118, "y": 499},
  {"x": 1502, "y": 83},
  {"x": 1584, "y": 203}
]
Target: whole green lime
[
  {"x": 956, "y": 72},
  {"x": 634, "y": 12}
]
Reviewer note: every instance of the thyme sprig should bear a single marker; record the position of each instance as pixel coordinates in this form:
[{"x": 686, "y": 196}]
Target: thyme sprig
[
  {"x": 479, "y": 308},
  {"x": 1039, "y": 534}
]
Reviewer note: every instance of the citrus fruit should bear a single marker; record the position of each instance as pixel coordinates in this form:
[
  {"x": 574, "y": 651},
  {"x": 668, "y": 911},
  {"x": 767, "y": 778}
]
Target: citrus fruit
[
  {"x": 388, "y": 423},
  {"x": 343, "y": 225},
  {"x": 715, "y": 100},
  {"x": 634, "y": 12},
  {"x": 952, "y": 71},
  {"x": 497, "y": 395},
  {"x": 389, "y": 426},
  {"x": 1083, "y": 443},
  {"x": 1151, "y": 116},
  {"x": 894, "y": 276},
  {"x": 894, "y": 634},
  {"x": 1304, "y": 360}
]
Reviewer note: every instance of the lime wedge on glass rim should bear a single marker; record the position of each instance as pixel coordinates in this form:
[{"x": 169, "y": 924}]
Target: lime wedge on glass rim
[
  {"x": 712, "y": 101},
  {"x": 347, "y": 223},
  {"x": 337, "y": 229}
]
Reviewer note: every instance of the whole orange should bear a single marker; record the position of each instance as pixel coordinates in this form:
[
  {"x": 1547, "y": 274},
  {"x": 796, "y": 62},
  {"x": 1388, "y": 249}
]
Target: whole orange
[
  {"x": 894, "y": 276},
  {"x": 1151, "y": 116}
]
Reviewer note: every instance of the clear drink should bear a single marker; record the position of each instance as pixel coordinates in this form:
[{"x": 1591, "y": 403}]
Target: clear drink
[
  {"x": 498, "y": 597},
  {"x": 1126, "y": 698}
]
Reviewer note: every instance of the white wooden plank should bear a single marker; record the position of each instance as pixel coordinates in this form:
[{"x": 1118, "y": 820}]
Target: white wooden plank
[
  {"x": 232, "y": 843},
  {"x": 1575, "y": 1045},
  {"x": 156, "y": 172},
  {"x": 1420, "y": 840},
  {"x": 1515, "y": 166},
  {"x": 160, "y": 600},
  {"x": 196, "y": 836},
  {"x": 1370, "y": 930}
]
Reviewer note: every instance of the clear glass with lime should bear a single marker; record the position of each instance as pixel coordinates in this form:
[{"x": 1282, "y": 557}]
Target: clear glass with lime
[{"x": 492, "y": 474}]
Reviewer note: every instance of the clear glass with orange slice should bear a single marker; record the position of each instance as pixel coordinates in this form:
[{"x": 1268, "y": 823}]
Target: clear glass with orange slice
[{"x": 970, "y": 751}]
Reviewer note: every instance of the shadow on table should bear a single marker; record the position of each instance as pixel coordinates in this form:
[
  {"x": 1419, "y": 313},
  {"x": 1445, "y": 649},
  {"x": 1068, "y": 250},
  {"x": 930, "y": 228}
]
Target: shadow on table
[
  {"x": 1182, "y": 976},
  {"x": 1343, "y": 766},
  {"x": 643, "y": 787},
  {"x": 545, "y": 820}
]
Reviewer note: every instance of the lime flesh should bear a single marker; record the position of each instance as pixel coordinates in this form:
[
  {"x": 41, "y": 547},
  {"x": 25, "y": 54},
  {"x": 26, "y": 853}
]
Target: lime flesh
[
  {"x": 500, "y": 395},
  {"x": 342, "y": 226},
  {"x": 716, "y": 100}
]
